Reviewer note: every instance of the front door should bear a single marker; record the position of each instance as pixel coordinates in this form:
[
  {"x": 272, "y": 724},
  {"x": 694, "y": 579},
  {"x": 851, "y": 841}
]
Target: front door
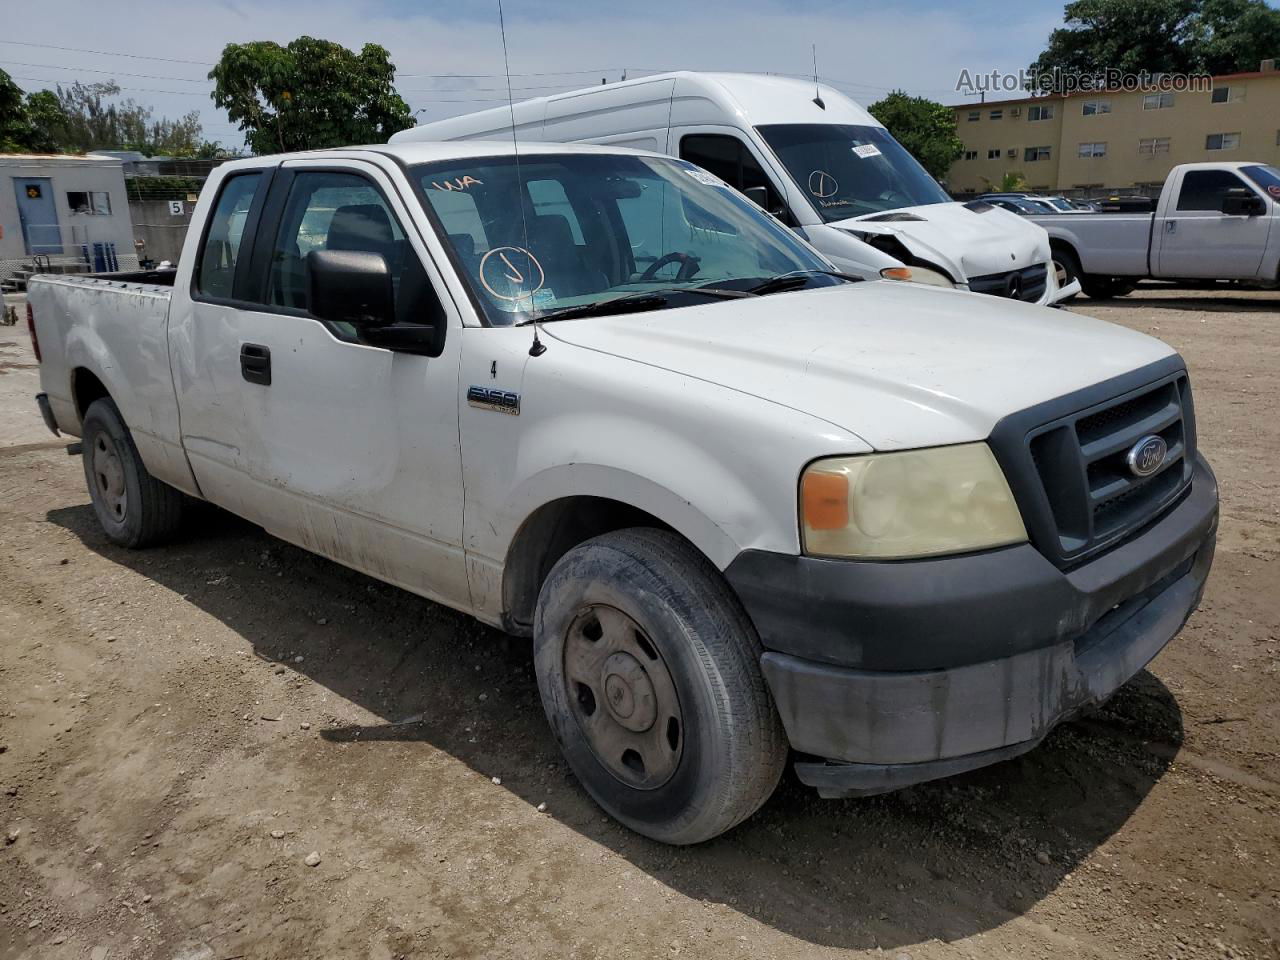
[
  {"x": 346, "y": 449},
  {"x": 1198, "y": 240},
  {"x": 38, "y": 215}
]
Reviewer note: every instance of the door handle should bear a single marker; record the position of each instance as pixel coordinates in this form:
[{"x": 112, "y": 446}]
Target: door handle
[
  {"x": 255, "y": 363},
  {"x": 1171, "y": 226}
]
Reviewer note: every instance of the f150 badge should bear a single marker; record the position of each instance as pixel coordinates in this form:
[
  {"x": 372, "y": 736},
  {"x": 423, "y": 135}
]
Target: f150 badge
[{"x": 491, "y": 398}]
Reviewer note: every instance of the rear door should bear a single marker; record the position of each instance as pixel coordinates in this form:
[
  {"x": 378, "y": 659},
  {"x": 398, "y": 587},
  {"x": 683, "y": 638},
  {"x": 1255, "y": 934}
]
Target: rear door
[
  {"x": 347, "y": 449},
  {"x": 1196, "y": 239}
]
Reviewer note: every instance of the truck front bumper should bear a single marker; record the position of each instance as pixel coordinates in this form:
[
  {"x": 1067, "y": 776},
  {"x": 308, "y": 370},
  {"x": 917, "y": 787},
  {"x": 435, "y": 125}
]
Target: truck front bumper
[{"x": 889, "y": 674}]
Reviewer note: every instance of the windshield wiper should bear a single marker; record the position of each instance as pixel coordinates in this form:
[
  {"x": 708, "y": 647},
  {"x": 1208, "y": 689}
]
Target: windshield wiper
[
  {"x": 631, "y": 303},
  {"x": 796, "y": 279}
]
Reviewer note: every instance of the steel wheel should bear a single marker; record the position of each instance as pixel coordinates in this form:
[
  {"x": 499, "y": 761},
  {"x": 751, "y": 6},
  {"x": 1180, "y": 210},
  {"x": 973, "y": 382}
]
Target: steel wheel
[
  {"x": 108, "y": 475},
  {"x": 622, "y": 695}
]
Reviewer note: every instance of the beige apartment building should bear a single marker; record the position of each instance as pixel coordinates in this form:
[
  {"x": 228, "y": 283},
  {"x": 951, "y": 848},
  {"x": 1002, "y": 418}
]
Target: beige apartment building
[{"x": 1090, "y": 142}]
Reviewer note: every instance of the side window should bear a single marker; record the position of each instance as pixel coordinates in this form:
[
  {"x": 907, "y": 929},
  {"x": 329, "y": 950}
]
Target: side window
[
  {"x": 730, "y": 160},
  {"x": 218, "y": 259},
  {"x": 330, "y": 211},
  {"x": 1204, "y": 189}
]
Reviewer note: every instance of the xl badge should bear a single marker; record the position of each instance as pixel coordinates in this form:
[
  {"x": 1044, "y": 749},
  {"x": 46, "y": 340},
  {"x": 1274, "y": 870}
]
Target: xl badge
[
  {"x": 491, "y": 398},
  {"x": 1147, "y": 456}
]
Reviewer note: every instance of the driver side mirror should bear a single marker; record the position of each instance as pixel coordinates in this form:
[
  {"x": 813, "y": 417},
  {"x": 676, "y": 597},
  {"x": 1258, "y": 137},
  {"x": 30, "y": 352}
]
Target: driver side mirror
[
  {"x": 350, "y": 286},
  {"x": 1242, "y": 202}
]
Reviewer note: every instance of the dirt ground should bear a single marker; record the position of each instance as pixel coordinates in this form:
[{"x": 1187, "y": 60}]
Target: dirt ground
[{"x": 180, "y": 728}]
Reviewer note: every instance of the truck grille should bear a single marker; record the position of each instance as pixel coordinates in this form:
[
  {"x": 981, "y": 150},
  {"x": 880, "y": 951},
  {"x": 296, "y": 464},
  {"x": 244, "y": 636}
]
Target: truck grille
[
  {"x": 1027, "y": 284},
  {"x": 1071, "y": 476}
]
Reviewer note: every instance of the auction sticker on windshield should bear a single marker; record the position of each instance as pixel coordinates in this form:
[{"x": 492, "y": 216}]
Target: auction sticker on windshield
[
  {"x": 710, "y": 179},
  {"x": 866, "y": 150}
]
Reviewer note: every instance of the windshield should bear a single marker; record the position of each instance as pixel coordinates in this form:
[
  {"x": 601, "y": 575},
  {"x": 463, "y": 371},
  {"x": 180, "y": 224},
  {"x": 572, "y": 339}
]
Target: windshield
[
  {"x": 576, "y": 229},
  {"x": 1265, "y": 176},
  {"x": 849, "y": 171}
]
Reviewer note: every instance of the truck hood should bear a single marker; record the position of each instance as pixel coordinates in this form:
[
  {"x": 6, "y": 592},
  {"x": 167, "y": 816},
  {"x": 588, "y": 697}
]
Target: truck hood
[
  {"x": 965, "y": 242},
  {"x": 899, "y": 365}
]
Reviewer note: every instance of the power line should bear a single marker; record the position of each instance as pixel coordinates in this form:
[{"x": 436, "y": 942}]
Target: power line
[
  {"x": 115, "y": 73},
  {"x": 178, "y": 93},
  {"x": 105, "y": 53}
]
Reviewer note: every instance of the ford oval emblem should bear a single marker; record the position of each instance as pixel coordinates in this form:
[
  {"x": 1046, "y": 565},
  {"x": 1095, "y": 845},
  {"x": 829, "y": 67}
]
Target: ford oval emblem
[{"x": 1147, "y": 456}]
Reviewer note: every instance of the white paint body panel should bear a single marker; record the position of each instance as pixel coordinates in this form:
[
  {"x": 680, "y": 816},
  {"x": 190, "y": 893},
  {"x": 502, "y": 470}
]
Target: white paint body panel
[
  {"x": 655, "y": 112},
  {"x": 1176, "y": 244},
  {"x": 703, "y": 416}
]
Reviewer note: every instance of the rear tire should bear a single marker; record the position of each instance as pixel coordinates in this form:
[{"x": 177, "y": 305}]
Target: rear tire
[
  {"x": 649, "y": 671},
  {"x": 133, "y": 507}
]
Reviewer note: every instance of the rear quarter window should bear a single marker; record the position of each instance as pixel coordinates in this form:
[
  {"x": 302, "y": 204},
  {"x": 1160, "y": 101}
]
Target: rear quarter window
[{"x": 215, "y": 276}]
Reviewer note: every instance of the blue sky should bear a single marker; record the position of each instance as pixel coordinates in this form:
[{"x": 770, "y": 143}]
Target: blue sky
[{"x": 869, "y": 48}]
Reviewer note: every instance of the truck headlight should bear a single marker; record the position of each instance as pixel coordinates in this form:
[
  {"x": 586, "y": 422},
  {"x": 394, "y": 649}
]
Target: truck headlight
[
  {"x": 915, "y": 503},
  {"x": 933, "y": 278}
]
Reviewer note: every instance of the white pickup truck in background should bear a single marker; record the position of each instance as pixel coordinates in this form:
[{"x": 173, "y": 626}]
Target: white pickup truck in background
[
  {"x": 460, "y": 372},
  {"x": 1213, "y": 221}
]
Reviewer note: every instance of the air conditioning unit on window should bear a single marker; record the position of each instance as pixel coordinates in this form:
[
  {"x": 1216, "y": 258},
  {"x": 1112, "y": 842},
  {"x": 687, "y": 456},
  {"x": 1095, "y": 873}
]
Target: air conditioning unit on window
[
  {"x": 1015, "y": 111},
  {"x": 1011, "y": 153}
]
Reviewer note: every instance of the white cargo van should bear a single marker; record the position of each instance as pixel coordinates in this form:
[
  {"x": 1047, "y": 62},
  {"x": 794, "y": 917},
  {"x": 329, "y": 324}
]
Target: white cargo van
[{"x": 808, "y": 154}]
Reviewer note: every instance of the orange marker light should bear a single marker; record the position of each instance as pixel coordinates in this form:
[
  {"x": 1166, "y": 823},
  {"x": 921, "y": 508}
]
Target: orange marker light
[
  {"x": 896, "y": 273},
  {"x": 824, "y": 500}
]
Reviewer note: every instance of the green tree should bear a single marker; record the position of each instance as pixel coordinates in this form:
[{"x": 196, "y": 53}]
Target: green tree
[
  {"x": 308, "y": 95},
  {"x": 1011, "y": 182},
  {"x": 93, "y": 120},
  {"x": 14, "y": 126},
  {"x": 47, "y": 120},
  {"x": 1162, "y": 36},
  {"x": 926, "y": 128}
]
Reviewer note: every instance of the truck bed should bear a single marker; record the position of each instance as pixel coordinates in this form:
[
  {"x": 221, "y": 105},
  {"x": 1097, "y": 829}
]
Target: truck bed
[
  {"x": 114, "y": 324},
  {"x": 1108, "y": 244}
]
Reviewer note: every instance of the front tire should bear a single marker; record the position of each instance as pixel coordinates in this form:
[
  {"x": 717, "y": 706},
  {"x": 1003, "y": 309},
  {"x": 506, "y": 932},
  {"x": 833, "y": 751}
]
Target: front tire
[
  {"x": 133, "y": 507},
  {"x": 649, "y": 671}
]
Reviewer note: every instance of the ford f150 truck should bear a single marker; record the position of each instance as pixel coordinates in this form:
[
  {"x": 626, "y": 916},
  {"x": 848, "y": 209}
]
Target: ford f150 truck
[
  {"x": 1213, "y": 221},
  {"x": 900, "y": 530}
]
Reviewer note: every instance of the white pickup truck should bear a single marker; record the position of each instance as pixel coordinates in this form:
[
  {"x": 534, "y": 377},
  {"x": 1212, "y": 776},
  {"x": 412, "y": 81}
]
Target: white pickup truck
[
  {"x": 900, "y": 530},
  {"x": 1214, "y": 221}
]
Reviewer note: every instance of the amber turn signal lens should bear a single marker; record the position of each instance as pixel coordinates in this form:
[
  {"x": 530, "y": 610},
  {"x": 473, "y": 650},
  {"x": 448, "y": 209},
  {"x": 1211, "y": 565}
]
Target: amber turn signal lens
[
  {"x": 897, "y": 273},
  {"x": 824, "y": 498}
]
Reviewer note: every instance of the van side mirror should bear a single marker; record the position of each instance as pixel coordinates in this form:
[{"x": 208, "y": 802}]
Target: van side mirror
[
  {"x": 760, "y": 197},
  {"x": 1243, "y": 202},
  {"x": 350, "y": 286}
]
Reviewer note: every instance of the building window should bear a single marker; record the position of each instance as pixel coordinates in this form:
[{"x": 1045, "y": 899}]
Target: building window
[
  {"x": 1222, "y": 141},
  {"x": 92, "y": 202},
  {"x": 1040, "y": 113},
  {"x": 975, "y": 115},
  {"x": 1227, "y": 95},
  {"x": 1093, "y": 108},
  {"x": 971, "y": 154},
  {"x": 1153, "y": 145},
  {"x": 1096, "y": 149},
  {"x": 997, "y": 114},
  {"x": 1032, "y": 154},
  {"x": 995, "y": 154},
  {"x": 1157, "y": 101}
]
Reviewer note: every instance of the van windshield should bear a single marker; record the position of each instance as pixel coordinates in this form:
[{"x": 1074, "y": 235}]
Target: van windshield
[
  {"x": 578, "y": 229},
  {"x": 848, "y": 171}
]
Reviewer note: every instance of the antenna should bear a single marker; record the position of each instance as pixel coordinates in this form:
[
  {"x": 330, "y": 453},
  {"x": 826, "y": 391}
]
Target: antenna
[
  {"x": 537, "y": 348},
  {"x": 817, "y": 94}
]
